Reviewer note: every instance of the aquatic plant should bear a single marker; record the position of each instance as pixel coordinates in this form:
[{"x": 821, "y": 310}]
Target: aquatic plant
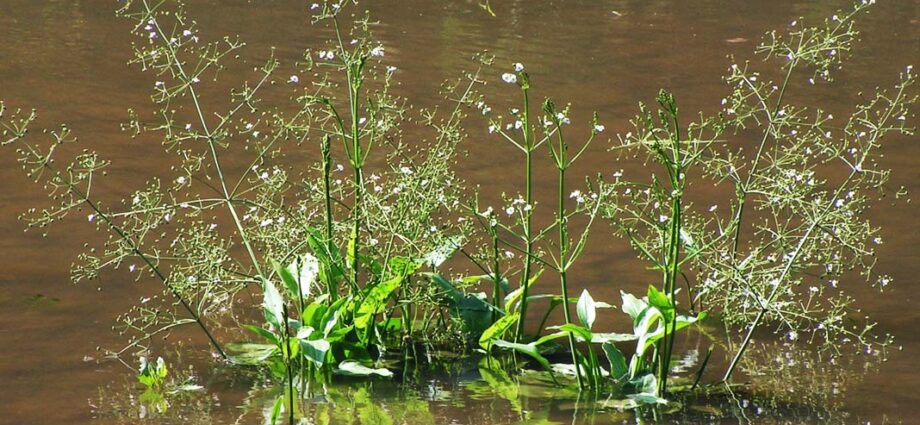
[{"x": 349, "y": 253}]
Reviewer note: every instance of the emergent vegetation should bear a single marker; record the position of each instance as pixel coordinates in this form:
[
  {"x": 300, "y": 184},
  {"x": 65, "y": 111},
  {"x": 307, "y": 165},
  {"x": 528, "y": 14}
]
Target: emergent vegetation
[{"x": 364, "y": 255}]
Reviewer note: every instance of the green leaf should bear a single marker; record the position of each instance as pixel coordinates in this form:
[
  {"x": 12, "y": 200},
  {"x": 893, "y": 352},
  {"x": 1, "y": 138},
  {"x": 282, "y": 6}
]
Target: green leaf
[
  {"x": 546, "y": 338},
  {"x": 609, "y": 337},
  {"x": 659, "y": 299},
  {"x": 315, "y": 350},
  {"x": 272, "y": 304},
  {"x": 582, "y": 333},
  {"x": 351, "y": 253},
  {"x": 403, "y": 266},
  {"x": 352, "y": 368},
  {"x": 328, "y": 255},
  {"x": 646, "y": 384},
  {"x": 290, "y": 282},
  {"x": 275, "y": 411},
  {"x": 618, "y": 368},
  {"x": 375, "y": 301},
  {"x": 264, "y": 333},
  {"x": 497, "y": 330},
  {"x": 586, "y": 310},
  {"x": 530, "y": 350},
  {"x": 632, "y": 305},
  {"x": 313, "y": 314},
  {"x": 647, "y": 398},
  {"x": 249, "y": 353},
  {"x": 513, "y": 297}
]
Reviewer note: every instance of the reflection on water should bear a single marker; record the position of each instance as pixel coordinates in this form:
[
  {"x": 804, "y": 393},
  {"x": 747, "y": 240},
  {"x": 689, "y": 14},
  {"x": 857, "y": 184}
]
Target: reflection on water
[
  {"x": 66, "y": 57},
  {"x": 471, "y": 392}
]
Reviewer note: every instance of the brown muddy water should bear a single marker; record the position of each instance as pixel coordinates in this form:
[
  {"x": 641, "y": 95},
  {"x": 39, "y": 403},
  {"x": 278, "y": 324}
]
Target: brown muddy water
[{"x": 67, "y": 58}]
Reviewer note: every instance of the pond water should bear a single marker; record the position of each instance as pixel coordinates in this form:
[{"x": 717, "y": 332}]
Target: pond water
[{"x": 67, "y": 59}]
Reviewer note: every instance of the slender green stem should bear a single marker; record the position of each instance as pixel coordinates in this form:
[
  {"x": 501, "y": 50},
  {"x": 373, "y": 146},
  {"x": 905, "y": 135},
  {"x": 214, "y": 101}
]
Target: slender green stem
[
  {"x": 496, "y": 273},
  {"x": 528, "y": 214},
  {"x": 289, "y": 363},
  {"x": 326, "y": 151},
  {"x": 563, "y": 266}
]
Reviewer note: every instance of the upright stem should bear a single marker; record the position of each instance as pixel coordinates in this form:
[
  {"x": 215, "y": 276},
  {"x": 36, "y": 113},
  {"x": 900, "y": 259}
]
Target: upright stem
[
  {"x": 563, "y": 258},
  {"x": 326, "y": 151},
  {"x": 287, "y": 354},
  {"x": 496, "y": 273},
  {"x": 528, "y": 214}
]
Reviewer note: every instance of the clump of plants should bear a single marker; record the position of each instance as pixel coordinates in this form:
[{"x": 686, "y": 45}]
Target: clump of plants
[{"x": 353, "y": 237}]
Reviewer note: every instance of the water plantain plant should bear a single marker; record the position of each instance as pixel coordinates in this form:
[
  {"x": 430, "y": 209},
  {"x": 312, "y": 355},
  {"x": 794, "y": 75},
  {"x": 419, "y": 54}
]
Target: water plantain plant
[{"x": 354, "y": 237}]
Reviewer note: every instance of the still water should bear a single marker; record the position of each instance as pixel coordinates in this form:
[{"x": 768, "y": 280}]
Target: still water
[{"x": 67, "y": 59}]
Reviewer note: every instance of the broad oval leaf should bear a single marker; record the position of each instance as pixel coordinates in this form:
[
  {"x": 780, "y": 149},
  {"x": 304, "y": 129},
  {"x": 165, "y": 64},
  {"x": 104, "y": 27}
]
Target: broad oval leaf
[
  {"x": 272, "y": 304},
  {"x": 352, "y": 368},
  {"x": 315, "y": 350},
  {"x": 587, "y": 312},
  {"x": 375, "y": 301},
  {"x": 497, "y": 330}
]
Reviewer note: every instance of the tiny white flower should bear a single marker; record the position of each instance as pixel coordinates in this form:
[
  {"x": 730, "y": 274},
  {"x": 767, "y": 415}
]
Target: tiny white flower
[
  {"x": 294, "y": 79},
  {"x": 518, "y": 125},
  {"x": 509, "y": 210},
  {"x": 793, "y": 335},
  {"x": 877, "y": 240},
  {"x": 212, "y": 226},
  {"x": 377, "y": 51},
  {"x": 195, "y": 80},
  {"x": 91, "y": 218},
  {"x": 662, "y": 218},
  {"x": 314, "y": 6},
  {"x": 391, "y": 69},
  {"x": 267, "y": 222},
  {"x": 186, "y": 33},
  {"x": 180, "y": 180},
  {"x": 131, "y": 268},
  {"x": 518, "y": 67},
  {"x": 713, "y": 208},
  {"x": 509, "y": 255},
  {"x": 599, "y": 128},
  {"x": 188, "y": 127},
  {"x": 362, "y": 120},
  {"x": 509, "y": 78},
  {"x": 406, "y": 170}
]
